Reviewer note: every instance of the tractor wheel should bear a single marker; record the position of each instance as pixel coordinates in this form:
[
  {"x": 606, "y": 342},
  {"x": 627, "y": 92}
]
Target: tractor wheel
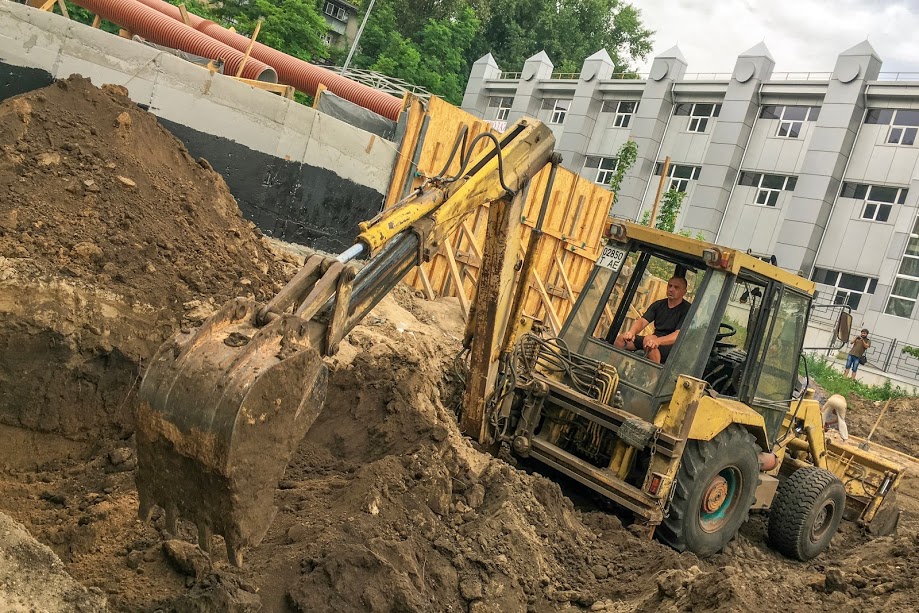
[
  {"x": 714, "y": 490},
  {"x": 806, "y": 512}
]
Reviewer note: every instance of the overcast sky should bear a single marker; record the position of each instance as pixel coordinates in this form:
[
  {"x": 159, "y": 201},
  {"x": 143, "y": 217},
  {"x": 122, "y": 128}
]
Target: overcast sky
[{"x": 803, "y": 35}]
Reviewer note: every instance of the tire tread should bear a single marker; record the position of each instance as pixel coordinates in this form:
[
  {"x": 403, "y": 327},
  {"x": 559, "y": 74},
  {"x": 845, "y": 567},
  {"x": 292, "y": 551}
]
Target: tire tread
[
  {"x": 791, "y": 508},
  {"x": 695, "y": 458}
]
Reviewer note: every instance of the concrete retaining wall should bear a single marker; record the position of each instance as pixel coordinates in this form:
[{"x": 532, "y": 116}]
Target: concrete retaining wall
[{"x": 302, "y": 176}]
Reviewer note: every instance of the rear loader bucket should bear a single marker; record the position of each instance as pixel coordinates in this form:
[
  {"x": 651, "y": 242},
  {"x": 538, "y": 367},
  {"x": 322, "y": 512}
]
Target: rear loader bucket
[{"x": 222, "y": 409}]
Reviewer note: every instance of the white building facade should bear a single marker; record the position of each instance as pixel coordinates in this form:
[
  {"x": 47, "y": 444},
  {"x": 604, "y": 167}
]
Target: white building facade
[{"x": 820, "y": 170}]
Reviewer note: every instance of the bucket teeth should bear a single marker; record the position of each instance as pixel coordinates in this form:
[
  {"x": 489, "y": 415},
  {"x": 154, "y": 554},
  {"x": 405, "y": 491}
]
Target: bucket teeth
[
  {"x": 217, "y": 423},
  {"x": 172, "y": 520},
  {"x": 144, "y": 507},
  {"x": 234, "y": 554},
  {"x": 204, "y": 538}
]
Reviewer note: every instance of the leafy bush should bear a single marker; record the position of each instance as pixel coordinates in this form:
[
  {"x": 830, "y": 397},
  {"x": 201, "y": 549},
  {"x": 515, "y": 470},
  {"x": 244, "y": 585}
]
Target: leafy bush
[{"x": 833, "y": 381}]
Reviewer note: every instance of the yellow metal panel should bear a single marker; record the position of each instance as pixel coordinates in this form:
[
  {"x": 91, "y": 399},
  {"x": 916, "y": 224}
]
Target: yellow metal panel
[
  {"x": 695, "y": 247},
  {"x": 716, "y": 414},
  {"x": 573, "y": 227}
]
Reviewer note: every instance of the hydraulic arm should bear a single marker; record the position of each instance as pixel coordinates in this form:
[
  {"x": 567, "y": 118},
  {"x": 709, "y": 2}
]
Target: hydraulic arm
[{"x": 224, "y": 406}]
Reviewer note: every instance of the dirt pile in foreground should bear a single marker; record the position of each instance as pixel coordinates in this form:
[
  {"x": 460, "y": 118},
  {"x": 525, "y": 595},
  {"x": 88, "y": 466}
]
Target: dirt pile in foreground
[
  {"x": 110, "y": 236},
  {"x": 33, "y": 578},
  {"x": 384, "y": 507}
]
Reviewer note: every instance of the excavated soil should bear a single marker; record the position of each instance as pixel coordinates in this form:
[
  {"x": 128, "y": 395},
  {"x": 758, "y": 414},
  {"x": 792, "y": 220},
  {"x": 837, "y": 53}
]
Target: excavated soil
[
  {"x": 110, "y": 236},
  {"x": 385, "y": 506}
]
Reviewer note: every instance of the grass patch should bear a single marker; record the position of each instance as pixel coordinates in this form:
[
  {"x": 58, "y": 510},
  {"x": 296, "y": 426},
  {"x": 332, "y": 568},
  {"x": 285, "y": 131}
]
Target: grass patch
[{"x": 833, "y": 381}]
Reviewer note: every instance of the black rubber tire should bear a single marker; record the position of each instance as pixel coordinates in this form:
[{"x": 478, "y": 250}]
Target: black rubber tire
[
  {"x": 810, "y": 499},
  {"x": 733, "y": 452}
]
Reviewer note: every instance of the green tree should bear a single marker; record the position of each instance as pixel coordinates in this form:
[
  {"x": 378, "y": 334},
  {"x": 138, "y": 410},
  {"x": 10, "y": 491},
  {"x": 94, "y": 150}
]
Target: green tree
[
  {"x": 433, "y": 57},
  {"x": 670, "y": 209},
  {"x": 568, "y": 30},
  {"x": 625, "y": 159},
  {"x": 667, "y": 214}
]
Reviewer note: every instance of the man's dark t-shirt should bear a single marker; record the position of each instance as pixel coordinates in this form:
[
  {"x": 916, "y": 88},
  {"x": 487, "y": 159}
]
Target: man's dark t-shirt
[{"x": 666, "y": 320}]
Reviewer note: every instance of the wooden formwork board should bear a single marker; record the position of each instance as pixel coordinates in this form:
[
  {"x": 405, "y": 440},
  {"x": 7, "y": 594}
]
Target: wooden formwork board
[{"x": 574, "y": 221}]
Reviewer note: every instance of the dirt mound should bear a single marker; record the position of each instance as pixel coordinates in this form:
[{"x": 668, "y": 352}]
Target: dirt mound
[
  {"x": 33, "y": 578},
  {"x": 898, "y": 427},
  {"x": 111, "y": 236}
]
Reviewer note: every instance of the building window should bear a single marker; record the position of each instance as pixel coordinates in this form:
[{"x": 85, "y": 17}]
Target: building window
[
  {"x": 558, "y": 107},
  {"x": 335, "y": 11},
  {"x": 904, "y": 124},
  {"x": 906, "y": 284},
  {"x": 768, "y": 186},
  {"x": 327, "y": 38},
  {"x": 623, "y": 109},
  {"x": 680, "y": 175},
  {"x": 605, "y": 168},
  {"x": 699, "y": 114},
  {"x": 791, "y": 118},
  {"x": 503, "y": 104},
  {"x": 846, "y": 288},
  {"x": 879, "y": 199}
]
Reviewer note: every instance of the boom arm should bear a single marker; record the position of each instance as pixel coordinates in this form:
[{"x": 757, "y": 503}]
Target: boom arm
[
  {"x": 225, "y": 405},
  {"x": 413, "y": 231}
]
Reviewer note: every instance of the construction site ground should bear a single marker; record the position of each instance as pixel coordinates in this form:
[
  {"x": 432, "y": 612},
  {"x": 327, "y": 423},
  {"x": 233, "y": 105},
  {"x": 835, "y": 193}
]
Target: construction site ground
[{"x": 112, "y": 237}]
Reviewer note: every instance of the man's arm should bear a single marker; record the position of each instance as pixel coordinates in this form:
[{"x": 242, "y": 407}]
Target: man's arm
[
  {"x": 653, "y": 342},
  {"x": 637, "y": 326}
]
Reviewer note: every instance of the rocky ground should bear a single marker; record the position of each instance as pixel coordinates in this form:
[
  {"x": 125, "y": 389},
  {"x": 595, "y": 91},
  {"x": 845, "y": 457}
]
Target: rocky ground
[{"x": 384, "y": 506}]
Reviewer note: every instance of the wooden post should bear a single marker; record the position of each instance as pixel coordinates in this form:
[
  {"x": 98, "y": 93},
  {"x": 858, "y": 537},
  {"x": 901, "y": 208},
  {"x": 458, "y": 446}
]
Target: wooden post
[
  {"x": 97, "y": 21},
  {"x": 876, "y": 423},
  {"x": 242, "y": 64},
  {"x": 660, "y": 189},
  {"x": 184, "y": 13},
  {"x": 47, "y": 6},
  {"x": 426, "y": 284},
  {"x": 561, "y": 269},
  {"x": 319, "y": 89},
  {"x": 410, "y": 138},
  {"x": 63, "y": 8},
  {"x": 447, "y": 249},
  {"x": 125, "y": 33},
  {"x": 551, "y": 315}
]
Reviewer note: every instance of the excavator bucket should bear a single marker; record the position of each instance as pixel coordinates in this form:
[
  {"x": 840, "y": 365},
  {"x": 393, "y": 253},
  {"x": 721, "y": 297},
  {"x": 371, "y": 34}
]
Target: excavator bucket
[
  {"x": 224, "y": 406},
  {"x": 222, "y": 409}
]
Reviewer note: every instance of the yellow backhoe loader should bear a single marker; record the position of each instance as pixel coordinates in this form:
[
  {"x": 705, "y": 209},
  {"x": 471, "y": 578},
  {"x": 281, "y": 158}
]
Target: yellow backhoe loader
[{"x": 688, "y": 446}]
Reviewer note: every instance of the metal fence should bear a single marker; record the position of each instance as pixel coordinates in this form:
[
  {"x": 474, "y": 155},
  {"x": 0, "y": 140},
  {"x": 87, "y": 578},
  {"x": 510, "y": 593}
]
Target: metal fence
[{"x": 885, "y": 354}]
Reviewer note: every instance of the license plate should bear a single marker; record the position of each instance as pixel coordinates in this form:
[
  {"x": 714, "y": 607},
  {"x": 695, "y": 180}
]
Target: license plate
[{"x": 612, "y": 258}]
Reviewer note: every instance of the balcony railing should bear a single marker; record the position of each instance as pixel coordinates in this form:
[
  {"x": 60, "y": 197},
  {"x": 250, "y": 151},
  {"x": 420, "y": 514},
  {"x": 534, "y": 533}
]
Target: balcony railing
[
  {"x": 898, "y": 76},
  {"x": 723, "y": 76}
]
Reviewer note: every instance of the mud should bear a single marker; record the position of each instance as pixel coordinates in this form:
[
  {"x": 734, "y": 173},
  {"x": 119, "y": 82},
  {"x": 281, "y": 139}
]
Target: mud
[
  {"x": 384, "y": 506},
  {"x": 111, "y": 236}
]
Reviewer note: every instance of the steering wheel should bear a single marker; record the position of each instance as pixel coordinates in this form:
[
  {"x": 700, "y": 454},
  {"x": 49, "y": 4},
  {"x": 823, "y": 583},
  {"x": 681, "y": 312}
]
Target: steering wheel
[{"x": 731, "y": 331}]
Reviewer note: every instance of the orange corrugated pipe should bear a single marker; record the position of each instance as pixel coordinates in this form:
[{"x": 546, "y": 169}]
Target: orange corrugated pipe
[
  {"x": 160, "y": 29},
  {"x": 291, "y": 71}
]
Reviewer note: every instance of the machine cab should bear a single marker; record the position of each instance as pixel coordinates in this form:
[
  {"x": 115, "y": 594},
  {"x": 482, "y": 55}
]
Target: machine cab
[{"x": 742, "y": 334}]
